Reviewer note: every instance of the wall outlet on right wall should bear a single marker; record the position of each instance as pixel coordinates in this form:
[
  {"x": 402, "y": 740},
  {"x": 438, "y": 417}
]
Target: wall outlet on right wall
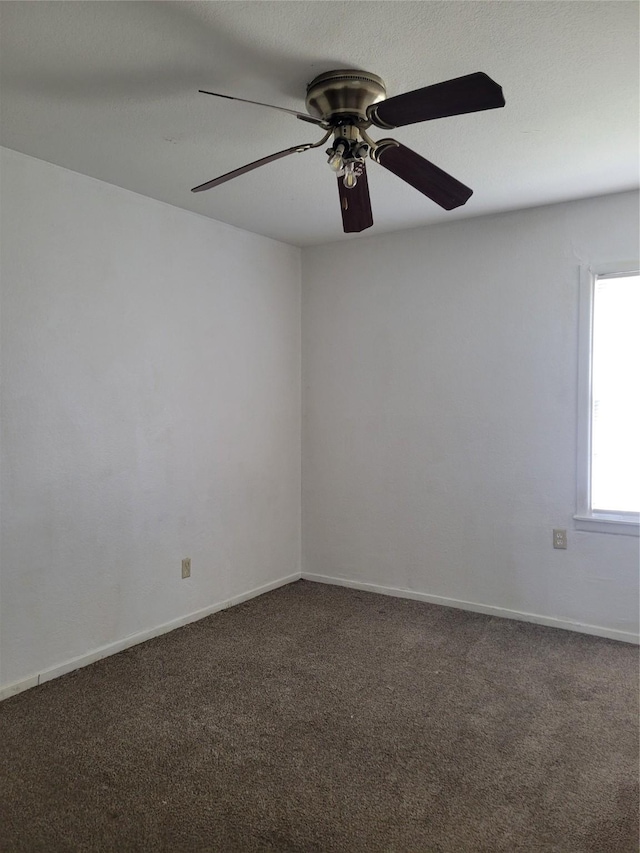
[{"x": 560, "y": 539}]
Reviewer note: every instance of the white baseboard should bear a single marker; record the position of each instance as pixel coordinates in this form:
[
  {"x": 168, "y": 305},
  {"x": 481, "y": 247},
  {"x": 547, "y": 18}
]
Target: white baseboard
[
  {"x": 141, "y": 637},
  {"x": 550, "y": 621},
  {"x": 134, "y": 639}
]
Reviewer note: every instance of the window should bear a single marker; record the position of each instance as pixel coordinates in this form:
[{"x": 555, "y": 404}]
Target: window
[{"x": 609, "y": 400}]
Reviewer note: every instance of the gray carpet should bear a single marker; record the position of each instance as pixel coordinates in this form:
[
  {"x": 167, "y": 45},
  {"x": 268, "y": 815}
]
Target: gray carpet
[{"x": 316, "y": 718}]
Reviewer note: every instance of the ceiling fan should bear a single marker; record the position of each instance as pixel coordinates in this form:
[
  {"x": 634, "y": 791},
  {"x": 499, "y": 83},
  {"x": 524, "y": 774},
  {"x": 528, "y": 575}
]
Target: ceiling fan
[{"x": 345, "y": 103}]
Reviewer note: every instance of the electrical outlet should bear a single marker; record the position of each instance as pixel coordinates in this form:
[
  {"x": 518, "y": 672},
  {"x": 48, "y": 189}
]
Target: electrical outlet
[
  {"x": 560, "y": 539},
  {"x": 186, "y": 567}
]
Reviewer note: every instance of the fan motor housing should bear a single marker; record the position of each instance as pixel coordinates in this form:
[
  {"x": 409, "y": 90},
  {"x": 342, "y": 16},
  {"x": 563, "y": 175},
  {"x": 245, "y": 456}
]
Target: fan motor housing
[{"x": 345, "y": 92}]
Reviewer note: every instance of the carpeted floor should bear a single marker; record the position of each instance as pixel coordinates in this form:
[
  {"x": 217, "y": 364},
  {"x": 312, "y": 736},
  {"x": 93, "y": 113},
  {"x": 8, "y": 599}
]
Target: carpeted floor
[{"x": 318, "y": 718}]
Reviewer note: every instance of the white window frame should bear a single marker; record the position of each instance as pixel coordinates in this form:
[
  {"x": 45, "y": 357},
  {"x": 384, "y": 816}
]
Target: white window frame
[{"x": 585, "y": 518}]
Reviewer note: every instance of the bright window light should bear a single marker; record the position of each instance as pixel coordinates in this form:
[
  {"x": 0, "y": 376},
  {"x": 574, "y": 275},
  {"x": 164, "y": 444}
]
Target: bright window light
[{"x": 615, "y": 394}]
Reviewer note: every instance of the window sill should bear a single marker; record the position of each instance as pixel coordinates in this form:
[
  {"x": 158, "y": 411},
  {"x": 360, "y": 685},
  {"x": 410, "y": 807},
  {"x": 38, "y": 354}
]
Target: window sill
[{"x": 603, "y": 523}]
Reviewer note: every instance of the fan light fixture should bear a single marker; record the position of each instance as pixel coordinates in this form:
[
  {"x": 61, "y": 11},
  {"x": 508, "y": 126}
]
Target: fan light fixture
[
  {"x": 345, "y": 103},
  {"x": 350, "y": 179},
  {"x": 336, "y": 161}
]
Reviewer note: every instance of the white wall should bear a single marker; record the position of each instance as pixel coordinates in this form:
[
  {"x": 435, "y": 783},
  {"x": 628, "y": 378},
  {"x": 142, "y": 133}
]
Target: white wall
[
  {"x": 439, "y": 429},
  {"x": 150, "y": 411}
]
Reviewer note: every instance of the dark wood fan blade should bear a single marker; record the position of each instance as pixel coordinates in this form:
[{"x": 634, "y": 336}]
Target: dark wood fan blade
[
  {"x": 248, "y": 168},
  {"x": 355, "y": 204},
  {"x": 301, "y": 116},
  {"x": 469, "y": 94},
  {"x": 421, "y": 174}
]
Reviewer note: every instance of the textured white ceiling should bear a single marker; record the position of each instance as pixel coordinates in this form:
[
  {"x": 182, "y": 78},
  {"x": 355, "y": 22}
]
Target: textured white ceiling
[{"x": 110, "y": 89}]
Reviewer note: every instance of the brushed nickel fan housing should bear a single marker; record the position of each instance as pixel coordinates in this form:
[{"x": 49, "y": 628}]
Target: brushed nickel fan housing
[{"x": 345, "y": 92}]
